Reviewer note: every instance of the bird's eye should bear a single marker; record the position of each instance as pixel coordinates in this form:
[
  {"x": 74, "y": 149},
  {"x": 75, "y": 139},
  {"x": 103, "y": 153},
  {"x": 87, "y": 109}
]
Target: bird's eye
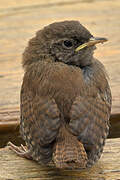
[{"x": 68, "y": 43}]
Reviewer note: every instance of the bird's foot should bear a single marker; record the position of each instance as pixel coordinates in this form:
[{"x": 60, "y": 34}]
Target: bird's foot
[{"x": 20, "y": 151}]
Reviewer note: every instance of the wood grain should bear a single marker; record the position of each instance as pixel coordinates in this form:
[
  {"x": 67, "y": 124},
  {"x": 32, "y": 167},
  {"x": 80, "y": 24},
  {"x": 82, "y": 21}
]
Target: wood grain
[
  {"x": 108, "y": 167},
  {"x": 20, "y": 21}
]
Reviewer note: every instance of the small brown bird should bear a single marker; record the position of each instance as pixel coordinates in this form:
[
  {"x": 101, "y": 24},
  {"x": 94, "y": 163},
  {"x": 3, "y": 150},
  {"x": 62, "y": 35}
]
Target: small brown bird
[{"x": 65, "y": 98}]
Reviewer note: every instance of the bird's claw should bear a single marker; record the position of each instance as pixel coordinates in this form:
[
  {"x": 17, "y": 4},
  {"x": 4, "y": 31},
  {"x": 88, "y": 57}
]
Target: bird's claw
[{"x": 20, "y": 151}]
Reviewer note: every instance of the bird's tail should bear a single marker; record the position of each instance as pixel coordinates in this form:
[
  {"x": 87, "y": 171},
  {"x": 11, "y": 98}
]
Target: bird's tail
[{"x": 69, "y": 152}]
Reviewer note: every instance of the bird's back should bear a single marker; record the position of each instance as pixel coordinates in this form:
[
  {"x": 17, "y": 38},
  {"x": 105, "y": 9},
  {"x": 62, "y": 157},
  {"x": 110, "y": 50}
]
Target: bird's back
[{"x": 63, "y": 124}]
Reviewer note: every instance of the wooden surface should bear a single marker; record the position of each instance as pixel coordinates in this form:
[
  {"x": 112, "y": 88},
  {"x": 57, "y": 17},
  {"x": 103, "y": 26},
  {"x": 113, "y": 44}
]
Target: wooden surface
[
  {"x": 20, "y": 21},
  {"x": 10, "y": 121},
  {"x": 108, "y": 167}
]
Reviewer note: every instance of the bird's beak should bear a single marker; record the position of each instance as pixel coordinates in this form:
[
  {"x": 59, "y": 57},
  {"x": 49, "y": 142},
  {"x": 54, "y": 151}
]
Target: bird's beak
[{"x": 92, "y": 41}]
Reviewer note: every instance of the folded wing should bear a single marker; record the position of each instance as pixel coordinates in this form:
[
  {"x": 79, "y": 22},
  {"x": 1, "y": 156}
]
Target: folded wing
[
  {"x": 39, "y": 124},
  {"x": 90, "y": 122}
]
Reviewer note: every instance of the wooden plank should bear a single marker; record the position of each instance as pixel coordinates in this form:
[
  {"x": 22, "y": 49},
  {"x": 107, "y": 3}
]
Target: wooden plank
[
  {"x": 114, "y": 126},
  {"x": 108, "y": 167},
  {"x": 100, "y": 17},
  {"x": 10, "y": 121}
]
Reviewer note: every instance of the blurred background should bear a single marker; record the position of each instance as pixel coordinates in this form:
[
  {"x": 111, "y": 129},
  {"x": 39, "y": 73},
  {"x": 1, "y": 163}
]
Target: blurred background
[{"x": 19, "y": 20}]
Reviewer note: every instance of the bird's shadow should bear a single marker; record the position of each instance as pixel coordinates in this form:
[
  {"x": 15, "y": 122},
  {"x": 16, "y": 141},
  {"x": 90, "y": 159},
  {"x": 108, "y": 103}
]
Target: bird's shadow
[{"x": 54, "y": 173}]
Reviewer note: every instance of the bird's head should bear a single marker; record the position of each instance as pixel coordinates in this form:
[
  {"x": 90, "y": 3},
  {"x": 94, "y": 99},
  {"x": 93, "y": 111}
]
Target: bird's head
[{"x": 68, "y": 42}]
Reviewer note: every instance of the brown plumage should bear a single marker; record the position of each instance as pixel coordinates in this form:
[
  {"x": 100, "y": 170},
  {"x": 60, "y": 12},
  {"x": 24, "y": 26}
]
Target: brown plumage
[
  {"x": 65, "y": 98},
  {"x": 69, "y": 152}
]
